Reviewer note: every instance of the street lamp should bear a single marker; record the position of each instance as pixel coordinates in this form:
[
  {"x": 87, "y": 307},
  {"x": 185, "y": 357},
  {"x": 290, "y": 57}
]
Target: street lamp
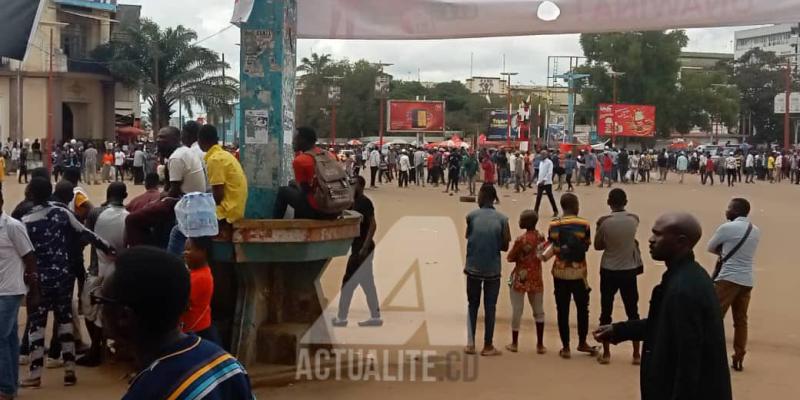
[
  {"x": 614, "y": 76},
  {"x": 509, "y": 75},
  {"x": 334, "y": 95},
  {"x": 571, "y": 77}
]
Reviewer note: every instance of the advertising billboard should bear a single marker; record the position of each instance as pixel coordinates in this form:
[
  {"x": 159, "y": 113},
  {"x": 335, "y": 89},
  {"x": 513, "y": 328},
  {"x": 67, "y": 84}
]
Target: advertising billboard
[
  {"x": 629, "y": 120},
  {"x": 416, "y": 116},
  {"x": 498, "y": 126}
]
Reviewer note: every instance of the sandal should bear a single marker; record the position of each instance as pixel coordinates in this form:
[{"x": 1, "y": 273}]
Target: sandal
[
  {"x": 565, "y": 354},
  {"x": 738, "y": 364},
  {"x": 469, "y": 350},
  {"x": 591, "y": 350},
  {"x": 491, "y": 352},
  {"x": 512, "y": 348},
  {"x": 541, "y": 350}
]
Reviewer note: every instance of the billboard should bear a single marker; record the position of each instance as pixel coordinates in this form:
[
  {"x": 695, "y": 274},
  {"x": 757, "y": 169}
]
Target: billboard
[
  {"x": 628, "y": 119},
  {"x": 794, "y": 103},
  {"x": 498, "y": 126},
  {"x": 416, "y": 116}
]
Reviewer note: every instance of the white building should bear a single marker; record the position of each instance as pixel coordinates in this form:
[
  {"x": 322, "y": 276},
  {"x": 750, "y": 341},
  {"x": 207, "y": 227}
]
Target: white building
[
  {"x": 487, "y": 85},
  {"x": 775, "y": 38}
]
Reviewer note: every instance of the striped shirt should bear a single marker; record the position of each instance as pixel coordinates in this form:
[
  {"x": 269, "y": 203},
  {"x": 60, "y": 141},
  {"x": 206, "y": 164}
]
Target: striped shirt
[{"x": 192, "y": 369}]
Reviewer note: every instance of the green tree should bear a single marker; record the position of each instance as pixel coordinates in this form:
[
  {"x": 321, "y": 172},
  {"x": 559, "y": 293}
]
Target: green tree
[
  {"x": 760, "y": 76},
  {"x": 650, "y": 63},
  {"x": 168, "y": 68},
  {"x": 706, "y": 97}
]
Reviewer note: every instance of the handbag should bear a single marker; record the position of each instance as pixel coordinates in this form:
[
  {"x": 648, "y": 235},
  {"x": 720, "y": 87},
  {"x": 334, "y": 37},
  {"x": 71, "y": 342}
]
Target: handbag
[{"x": 722, "y": 260}]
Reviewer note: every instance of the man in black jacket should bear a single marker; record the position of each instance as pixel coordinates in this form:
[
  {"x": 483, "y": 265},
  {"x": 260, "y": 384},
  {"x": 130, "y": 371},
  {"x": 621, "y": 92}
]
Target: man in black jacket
[{"x": 684, "y": 339}]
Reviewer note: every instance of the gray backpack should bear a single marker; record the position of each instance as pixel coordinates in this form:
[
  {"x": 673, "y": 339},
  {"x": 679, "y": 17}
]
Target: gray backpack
[{"x": 331, "y": 187}]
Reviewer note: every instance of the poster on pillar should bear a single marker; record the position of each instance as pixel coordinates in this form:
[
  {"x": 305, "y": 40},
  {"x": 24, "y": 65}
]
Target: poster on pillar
[
  {"x": 256, "y": 124},
  {"x": 256, "y": 43}
]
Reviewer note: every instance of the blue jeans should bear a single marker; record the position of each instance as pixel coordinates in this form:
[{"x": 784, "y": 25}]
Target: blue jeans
[
  {"x": 490, "y": 289},
  {"x": 9, "y": 344},
  {"x": 177, "y": 240}
]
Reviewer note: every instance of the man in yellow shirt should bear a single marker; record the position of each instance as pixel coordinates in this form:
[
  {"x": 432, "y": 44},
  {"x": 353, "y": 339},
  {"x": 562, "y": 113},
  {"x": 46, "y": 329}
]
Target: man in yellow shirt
[
  {"x": 771, "y": 168},
  {"x": 225, "y": 176},
  {"x": 2, "y": 170}
]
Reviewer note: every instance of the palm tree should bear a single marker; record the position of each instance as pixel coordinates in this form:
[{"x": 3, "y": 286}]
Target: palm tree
[{"x": 168, "y": 69}]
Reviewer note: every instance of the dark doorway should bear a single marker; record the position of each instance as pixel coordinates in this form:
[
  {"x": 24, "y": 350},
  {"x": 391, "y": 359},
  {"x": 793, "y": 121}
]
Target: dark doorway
[{"x": 67, "y": 123}]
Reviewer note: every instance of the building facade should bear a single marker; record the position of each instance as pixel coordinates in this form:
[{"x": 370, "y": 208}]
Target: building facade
[
  {"x": 776, "y": 38},
  {"x": 80, "y": 93}
]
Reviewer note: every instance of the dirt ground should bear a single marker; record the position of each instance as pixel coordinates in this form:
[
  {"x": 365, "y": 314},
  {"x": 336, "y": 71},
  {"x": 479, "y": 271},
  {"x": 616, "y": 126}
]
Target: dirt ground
[{"x": 773, "y": 354}]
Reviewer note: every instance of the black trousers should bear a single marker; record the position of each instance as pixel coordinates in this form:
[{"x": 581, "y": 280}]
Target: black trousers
[
  {"x": 579, "y": 292},
  {"x": 403, "y": 179},
  {"x": 548, "y": 189},
  {"x": 23, "y": 172},
  {"x": 294, "y": 196},
  {"x": 373, "y": 173},
  {"x": 623, "y": 282},
  {"x": 589, "y": 176},
  {"x": 138, "y": 175}
]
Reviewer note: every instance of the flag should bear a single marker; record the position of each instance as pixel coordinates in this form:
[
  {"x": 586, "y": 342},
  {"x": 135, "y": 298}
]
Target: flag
[
  {"x": 18, "y": 19},
  {"x": 241, "y": 11}
]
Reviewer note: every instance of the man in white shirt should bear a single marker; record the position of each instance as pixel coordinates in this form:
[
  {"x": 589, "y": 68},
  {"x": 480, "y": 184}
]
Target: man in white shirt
[
  {"x": 108, "y": 223},
  {"x": 734, "y": 278},
  {"x": 730, "y": 168},
  {"x": 405, "y": 168},
  {"x": 185, "y": 168},
  {"x": 119, "y": 164},
  {"x": 544, "y": 183},
  {"x": 374, "y": 165},
  {"x": 138, "y": 166},
  {"x": 17, "y": 269},
  {"x": 682, "y": 165},
  {"x": 749, "y": 168},
  {"x": 419, "y": 165}
]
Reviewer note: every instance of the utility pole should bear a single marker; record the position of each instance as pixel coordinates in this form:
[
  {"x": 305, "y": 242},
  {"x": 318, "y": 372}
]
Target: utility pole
[
  {"x": 509, "y": 75},
  {"x": 614, "y": 76},
  {"x": 49, "y": 142},
  {"x": 226, "y": 101},
  {"x": 786, "y": 129}
]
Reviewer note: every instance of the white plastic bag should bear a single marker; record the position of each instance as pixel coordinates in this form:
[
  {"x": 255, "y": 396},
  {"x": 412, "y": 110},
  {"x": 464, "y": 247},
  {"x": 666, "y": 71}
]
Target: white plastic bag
[{"x": 196, "y": 214}]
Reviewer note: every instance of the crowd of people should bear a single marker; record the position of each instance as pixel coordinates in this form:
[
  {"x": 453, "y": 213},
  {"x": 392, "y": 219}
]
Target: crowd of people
[
  {"x": 684, "y": 354},
  {"x": 146, "y": 286},
  {"x": 520, "y": 170}
]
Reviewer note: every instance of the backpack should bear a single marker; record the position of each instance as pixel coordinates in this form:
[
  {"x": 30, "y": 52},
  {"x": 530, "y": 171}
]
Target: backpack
[{"x": 331, "y": 187}]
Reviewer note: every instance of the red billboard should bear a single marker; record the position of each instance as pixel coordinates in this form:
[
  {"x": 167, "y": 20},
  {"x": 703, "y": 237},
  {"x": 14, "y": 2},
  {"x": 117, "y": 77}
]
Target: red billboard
[
  {"x": 416, "y": 116},
  {"x": 629, "y": 120}
]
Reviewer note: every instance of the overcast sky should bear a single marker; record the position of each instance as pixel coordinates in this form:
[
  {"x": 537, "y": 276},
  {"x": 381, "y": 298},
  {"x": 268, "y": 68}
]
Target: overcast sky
[{"x": 438, "y": 60}]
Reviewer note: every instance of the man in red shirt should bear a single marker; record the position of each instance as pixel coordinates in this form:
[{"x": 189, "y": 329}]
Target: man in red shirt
[
  {"x": 488, "y": 171},
  {"x": 299, "y": 194},
  {"x": 152, "y": 194}
]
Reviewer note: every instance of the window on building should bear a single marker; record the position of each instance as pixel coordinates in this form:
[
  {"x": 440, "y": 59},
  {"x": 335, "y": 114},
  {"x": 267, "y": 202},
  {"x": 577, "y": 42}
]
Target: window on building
[{"x": 73, "y": 41}]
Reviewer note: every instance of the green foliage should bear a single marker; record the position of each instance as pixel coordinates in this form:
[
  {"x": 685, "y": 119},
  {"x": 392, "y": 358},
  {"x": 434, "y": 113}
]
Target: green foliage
[
  {"x": 186, "y": 72},
  {"x": 650, "y": 63},
  {"x": 358, "y": 110},
  {"x": 760, "y": 76}
]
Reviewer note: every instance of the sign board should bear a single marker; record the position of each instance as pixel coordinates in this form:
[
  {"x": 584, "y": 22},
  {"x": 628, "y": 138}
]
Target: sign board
[
  {"x": 334, "y": 94},
  {"x": 446, "y": 19},
  {"x": 498, "y": 126},
  {"x": 794, "y": 103},
  {"x": 416, "y": 116},
  {"x": 382, "y": 86},
  {"x": 630, "y": 120}
]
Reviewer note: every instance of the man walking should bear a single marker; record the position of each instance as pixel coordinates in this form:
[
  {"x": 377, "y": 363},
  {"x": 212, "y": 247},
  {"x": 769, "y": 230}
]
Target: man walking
[
  {"x": 374, "y": 166},
  {"x": 90, "y": 165},
  {"x": 682, "y": 165},
  {"x": 620, "y": 266},
  {"x": 359, "y": 265},
  {"x": 684, "y": 339},
  {"x": 544, "y": 184},
  {"x": 735, "y": 242},
  {"x": 591, "y": 164},
  {"x": 419, "y": 166}
]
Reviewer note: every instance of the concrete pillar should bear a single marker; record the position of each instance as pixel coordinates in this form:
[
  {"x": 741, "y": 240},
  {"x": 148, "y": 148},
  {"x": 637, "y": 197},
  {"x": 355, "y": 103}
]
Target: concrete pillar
[
  {"x": 109, "y": 111},
  {"x": 267, "y": 78}
]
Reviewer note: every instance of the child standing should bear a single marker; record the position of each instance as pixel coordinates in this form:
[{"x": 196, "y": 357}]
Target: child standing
[
  {"x": 197, "y": 319},
  {"x": 526, "y": 279}
]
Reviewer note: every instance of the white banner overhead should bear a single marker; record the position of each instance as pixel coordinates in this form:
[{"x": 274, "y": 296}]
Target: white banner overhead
[{"x": 441, "y": 19}]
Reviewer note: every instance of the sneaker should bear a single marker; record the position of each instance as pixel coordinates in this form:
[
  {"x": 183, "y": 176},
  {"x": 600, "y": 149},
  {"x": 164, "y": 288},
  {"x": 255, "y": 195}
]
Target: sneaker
[
  {"x": 31, "y": 383},
  {"x": 24, "y": 360},
  {"x": 340, "y": 323},
  {"x": 372, "y": 322},
  {"x": 70, "y": 379},
  {"x": 52, "y": 363}
]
